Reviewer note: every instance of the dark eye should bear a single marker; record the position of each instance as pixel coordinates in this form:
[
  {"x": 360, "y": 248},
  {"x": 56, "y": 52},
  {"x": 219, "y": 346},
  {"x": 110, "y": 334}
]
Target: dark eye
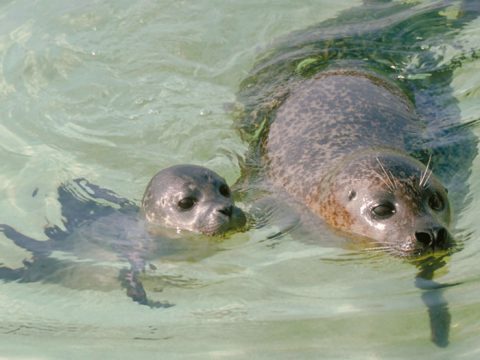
[
  {"x": 352, "y": 194},
  {"x": 436, "y": 202},
  {"x": 383, "y": 211},
  {"x": 224, "y": 190},
  {"x": 186, "y": 203}
]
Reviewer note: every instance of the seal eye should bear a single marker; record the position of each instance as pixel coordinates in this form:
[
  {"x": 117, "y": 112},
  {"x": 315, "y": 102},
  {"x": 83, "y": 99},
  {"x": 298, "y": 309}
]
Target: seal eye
[
  {"x": 186, "y": 203},
  {"x": 383, "y": 211},
  {"x": 436, "y": 202},
  {"x": 351, "y": 195},
  {"x": 224, "y": 190}
]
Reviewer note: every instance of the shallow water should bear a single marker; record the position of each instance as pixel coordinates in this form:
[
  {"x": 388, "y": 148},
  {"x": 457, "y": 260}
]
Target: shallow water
[{"x": 113, "y": 91}]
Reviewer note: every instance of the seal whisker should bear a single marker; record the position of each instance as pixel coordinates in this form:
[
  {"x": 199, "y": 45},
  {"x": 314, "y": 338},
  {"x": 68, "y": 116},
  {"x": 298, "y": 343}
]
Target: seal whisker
[
  {"x": 383, "y": 180},
  {"x": 389, "y": 175},
  {"x": 425, "y": 185},
  {"x": 392, "y": 179},
  {"x": 425, "y": 176},
  {"x": 391, "y": 184},
  {"x": 377, "y": 248}
]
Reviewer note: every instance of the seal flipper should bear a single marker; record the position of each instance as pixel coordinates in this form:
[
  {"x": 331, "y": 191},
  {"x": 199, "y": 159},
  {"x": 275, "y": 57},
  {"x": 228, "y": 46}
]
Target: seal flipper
[
  {"x": 8, "y": 274},
  {"x": 129, "y": 279},
  {"x": 39, "y": 248},
  {"x": 40, "y": 266}
]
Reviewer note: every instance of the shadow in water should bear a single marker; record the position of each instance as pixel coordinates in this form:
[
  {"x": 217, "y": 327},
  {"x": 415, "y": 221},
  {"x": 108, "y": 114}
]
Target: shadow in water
[{"x": 432, "y": 297}]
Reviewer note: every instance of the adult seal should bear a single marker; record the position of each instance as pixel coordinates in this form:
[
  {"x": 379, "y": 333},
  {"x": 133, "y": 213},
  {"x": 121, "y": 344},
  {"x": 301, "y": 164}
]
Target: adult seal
[
  {"x": 338, "y": 116},
  {"x": 351, "y": 116},
  {"x": 339, "y": 144}
]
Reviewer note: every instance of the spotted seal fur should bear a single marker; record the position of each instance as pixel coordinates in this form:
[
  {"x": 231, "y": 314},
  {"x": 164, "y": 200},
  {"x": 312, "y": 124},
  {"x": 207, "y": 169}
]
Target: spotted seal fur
[
  {"x": 337, "y": 118},
  {"x": 339, "y": 145}
]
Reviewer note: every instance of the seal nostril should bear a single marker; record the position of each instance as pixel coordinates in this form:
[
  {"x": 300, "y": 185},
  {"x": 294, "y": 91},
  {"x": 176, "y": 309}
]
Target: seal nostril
[
  {"x": 228, "y": 210},
  {"x": 435, "y": 238},
  {"x": 442, "y": 237},
  {"x": 424, "y": 238}
]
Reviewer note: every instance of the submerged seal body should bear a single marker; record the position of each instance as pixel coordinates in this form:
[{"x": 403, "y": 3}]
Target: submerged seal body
[
  {"x": 340, "y": 144},
  {"x": 182, "y": 198}
]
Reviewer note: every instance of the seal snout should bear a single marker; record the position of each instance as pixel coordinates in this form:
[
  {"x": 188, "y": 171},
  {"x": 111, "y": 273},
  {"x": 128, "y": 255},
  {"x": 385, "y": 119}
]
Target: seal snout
[
  {"x": 435, "y": 238},
  {"x": 226, "y": 210}
]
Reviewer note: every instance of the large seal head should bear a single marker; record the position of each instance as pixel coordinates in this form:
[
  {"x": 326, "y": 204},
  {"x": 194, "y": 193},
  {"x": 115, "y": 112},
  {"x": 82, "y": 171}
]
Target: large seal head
[
  {"x": 192, "y": 198},
  {"x": 388, "y": 197}
]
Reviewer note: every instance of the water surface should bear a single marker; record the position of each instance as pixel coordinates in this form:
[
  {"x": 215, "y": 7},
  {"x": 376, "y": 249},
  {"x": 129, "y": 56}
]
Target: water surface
[{"x": 115, "y": 90}]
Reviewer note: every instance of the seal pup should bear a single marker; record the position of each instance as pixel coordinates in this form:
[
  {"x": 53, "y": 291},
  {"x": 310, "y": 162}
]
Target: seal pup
[
  {"x": 191, "y": 198},
  {"x": 179, "y": 202}
]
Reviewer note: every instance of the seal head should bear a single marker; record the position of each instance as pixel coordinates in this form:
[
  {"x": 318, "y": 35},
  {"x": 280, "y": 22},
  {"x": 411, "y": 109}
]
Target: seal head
[
  {"x": 192, "y": 198},
  {"x": 387, "y": 197}
]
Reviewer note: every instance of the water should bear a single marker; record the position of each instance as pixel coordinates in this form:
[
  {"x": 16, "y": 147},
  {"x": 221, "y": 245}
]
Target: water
[{"x": 113, "y": 91}]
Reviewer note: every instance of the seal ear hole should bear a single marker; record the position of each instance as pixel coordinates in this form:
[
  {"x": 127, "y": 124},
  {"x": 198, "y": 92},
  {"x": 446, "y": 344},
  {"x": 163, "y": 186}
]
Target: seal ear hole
[
  {"x": 187, "y": 203},
  {"x": 351, "y": 195},
  {"x": 383, "y": 211},
  {"x": 436, "y": 202},
  {"x": 224, "y": 190}
]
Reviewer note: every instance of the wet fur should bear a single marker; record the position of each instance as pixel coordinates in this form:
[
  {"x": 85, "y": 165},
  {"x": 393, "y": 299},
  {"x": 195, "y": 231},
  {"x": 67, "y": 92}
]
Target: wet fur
[{"x": 374, "y": 42}]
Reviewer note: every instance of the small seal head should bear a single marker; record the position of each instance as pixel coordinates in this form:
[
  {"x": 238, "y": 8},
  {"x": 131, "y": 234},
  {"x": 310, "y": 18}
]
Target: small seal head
[
  {"x": 390, "y": 198},
  {"x": 192, "y": 198}
]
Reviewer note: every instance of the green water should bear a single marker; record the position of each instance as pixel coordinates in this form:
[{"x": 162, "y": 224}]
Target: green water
[{"x": 115, "y": 90}]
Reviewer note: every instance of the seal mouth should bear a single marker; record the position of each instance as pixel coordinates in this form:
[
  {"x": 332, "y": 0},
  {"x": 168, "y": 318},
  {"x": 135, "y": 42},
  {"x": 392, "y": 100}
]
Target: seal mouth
[{"x": 226, "y": 220}]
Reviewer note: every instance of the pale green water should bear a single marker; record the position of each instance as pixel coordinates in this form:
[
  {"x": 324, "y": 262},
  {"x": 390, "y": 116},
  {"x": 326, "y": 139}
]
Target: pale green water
[{"x": 115, "y": 90}]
